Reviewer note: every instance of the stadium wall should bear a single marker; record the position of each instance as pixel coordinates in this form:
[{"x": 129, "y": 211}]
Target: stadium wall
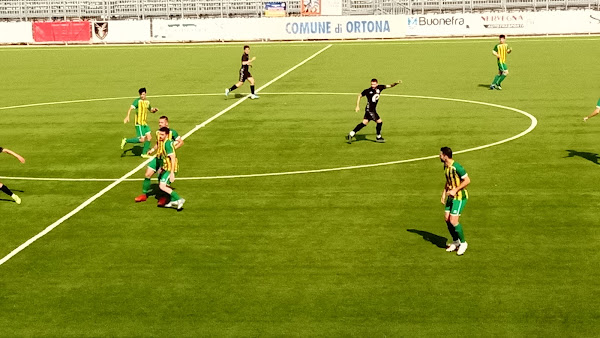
[{"x": 312, "y": 28}]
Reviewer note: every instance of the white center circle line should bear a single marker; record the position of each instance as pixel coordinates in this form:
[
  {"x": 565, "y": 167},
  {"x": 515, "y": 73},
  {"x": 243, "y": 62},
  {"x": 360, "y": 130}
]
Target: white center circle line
[{"x": 523, "y": 133}]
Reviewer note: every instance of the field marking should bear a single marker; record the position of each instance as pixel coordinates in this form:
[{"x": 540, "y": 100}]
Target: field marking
[
  {"x": 528, "y": 130},
  {"x": 142, "y": 165}
]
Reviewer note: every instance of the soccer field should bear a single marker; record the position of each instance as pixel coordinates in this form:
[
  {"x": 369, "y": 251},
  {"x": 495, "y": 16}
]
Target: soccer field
[{"x": 287, "y": 229}]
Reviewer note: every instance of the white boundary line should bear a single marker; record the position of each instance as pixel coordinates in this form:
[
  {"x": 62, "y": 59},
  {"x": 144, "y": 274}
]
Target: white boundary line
[
  {"x": 142, "y": 165},
  {"x": 528, "y": 130}
]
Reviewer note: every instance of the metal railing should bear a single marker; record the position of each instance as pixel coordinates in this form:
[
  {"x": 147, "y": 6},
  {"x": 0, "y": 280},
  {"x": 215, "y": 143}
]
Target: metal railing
[{"x": 141, "y": 9}]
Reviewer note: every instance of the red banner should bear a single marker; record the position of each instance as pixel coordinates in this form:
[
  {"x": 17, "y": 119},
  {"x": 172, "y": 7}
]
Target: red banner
[{"x": 62, "y": 31}]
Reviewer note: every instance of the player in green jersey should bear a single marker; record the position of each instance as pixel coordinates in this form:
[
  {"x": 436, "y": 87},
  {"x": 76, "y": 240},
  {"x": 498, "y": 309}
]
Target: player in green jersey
[
  {"x": 594, "y": 113},
  {"x": 155, "y": 166},
  {"x": 165, "y": 150},
  {"x": 142, "y": 129},
  {"x": 4, "y": 188},
  {"x": 454, "y": 197},
  {"x": 501, "y": 50}
]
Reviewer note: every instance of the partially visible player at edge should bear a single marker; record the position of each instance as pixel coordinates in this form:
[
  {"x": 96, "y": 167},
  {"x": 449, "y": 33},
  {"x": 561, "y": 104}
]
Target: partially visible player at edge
[
  {"x": 142, "y": 129},
  {"x": 244, "y": 74},
  {"x": 4, "y": 188},
  {"x": 372, "y": 93},
  {"x": 594, "y": 113},
  {"x": 170, "y": 166},
  {"x": 155, "y": 166},
  {"x": 501, "y": 50},
  {"x": 454, "y": 197}
]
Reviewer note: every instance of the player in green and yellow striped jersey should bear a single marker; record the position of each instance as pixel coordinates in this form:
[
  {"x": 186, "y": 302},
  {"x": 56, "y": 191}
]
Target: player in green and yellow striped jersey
[
  {"x": 501, "y": 50},
  {"x": 142, "y": 107},
  {"x": 165, "y": 151},
  {"x": 454, "y": 197}
]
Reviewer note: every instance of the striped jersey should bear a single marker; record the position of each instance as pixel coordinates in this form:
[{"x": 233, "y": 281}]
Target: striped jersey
[
  {"x": 166, "y": 148},
  {"x": 502, "y": 50},
  {"x": 455, "y": 173},
  {"x": 142, "y": 109}
]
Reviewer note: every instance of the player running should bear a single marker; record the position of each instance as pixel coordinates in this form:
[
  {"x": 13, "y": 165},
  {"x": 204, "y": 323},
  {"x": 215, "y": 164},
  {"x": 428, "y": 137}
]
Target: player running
[
  {"x": 155, "y": 166},
  {"x": 454, "y": 197},
  {"x": 244, "y": 74},
  {"x": 142, "y": 129},
  {"x": 4, "y": 188},
  {"x": 165, "y": 151},
  {"x": 372, "y": 93},
  {"x": 594, "y": 113},
  {"x": 501, "y": 50}
]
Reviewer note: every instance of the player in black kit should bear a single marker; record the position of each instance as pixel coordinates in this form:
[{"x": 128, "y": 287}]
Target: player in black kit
[
  {"x": 372, "y": 93},
  {"x": 244, "y": 74}
]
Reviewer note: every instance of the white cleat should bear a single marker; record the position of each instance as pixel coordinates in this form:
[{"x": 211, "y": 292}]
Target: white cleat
[
  {"x": 453, "y": 246},
  {"x": 171, "y": 204},
  {"x": 462, "y": 248},
  {"x": 254, "y": 96},
  {"x": 16, "y": 198},
  {"x": 180, "y": 203},
  {"x": 226, "y": 92}
]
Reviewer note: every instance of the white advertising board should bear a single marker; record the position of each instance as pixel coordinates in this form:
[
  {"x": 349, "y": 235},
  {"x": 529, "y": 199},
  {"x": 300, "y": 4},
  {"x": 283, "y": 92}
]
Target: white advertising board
[
  {"x": 289, "y": 28},
  {"x": 515, "y": 23},
  {"x": 16, "y": 32},
  {"x": 121, "y": 31}
]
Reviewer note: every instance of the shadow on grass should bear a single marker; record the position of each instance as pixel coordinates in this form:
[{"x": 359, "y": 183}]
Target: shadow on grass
[
  {"x": 362, "y": 137},
  {"x": 592, "y": 157},
  {"x": 135, "y": 151},
  {"x": 481, "y": 85},
  {"x": 6, "y": 200},
  {"x": 434, "y": 239}
]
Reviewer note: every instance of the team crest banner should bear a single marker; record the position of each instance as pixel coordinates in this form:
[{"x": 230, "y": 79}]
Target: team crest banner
[
  {"x": 101, "y": 29},
  {"x": 310, "y": 7}
]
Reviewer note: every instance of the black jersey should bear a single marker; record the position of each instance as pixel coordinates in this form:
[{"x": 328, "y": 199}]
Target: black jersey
[
  {"x": 1, "y": 149},
  {"x": 245, "y": 58},
  {"x": 372, "y": 95}
]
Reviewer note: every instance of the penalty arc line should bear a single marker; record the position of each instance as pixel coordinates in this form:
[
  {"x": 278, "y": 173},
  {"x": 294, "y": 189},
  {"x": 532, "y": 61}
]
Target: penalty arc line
[{"x": 143, "y": 164}]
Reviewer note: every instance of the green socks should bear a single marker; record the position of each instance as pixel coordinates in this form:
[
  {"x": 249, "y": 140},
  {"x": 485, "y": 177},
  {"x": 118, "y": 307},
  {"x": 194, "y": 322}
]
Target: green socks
[
  {"x": 500, "y": 79},
  {"x": 452, "y": 231},
  {"x": 146, "y": 147},
  {"x": 146, "y": 186},
  {"x": 133, "y": 140},
  {"x": 459, "y": 230},
  {"x": 174, "y": 196},
  {"x": 495, "y": 82}
]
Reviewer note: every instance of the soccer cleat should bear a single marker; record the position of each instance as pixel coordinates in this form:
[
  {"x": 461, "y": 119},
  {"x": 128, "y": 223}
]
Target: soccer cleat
[
  {"x": 180, "y": 203},
  {"x": 16, "y": 198},
  {"x": 492, "y": 87},
  {"x": 498, "y": 87},
  {"x": 171, "y": 204},
  {"x": 162, "y": 202},
  {"x": 348, "y": 138},
  {"x": 462, "y": 248},
  {"x": 254, "y": 96},
  {"x": 146, "y": 156},
  {"x": 380, "y": 140},
  {"x": 123, "y": 142},
  {"x": 226, "y": 92},
  {"x": 453, "y": 246},
  {"x": 141, "y": 198}
]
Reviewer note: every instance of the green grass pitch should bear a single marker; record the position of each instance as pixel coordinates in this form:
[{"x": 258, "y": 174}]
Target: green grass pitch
[{"x": 342, "y": 253}]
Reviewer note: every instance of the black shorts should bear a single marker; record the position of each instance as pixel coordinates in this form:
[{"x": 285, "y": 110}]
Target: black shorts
[
  {"x": 371, "y": 115},
  {"x": 244, "y": 75}
]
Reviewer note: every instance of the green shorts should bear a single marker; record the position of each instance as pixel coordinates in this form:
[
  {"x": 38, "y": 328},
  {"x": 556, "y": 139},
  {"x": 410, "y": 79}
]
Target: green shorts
[
  {"x": 454, "y": 206},
  {"x": 502, "y": 66},
  {"x": 155, "y": 164},
  {"x": 142, "y": 130},
  {"x": 164, "y": 177}
]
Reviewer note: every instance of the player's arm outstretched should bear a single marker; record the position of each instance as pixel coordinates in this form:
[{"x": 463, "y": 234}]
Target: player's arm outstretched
[
  {"x": 10, "y": 152},
  {"x": 594, "y": 113},
  {"x": 393, "y": 84},
  {"x": 249, "y": 62}
]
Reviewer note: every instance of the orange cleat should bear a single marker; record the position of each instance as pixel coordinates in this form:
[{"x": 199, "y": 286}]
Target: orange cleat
[
  {"x": 141, "y": 198},
  {"x": 162, "y": 201}
]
